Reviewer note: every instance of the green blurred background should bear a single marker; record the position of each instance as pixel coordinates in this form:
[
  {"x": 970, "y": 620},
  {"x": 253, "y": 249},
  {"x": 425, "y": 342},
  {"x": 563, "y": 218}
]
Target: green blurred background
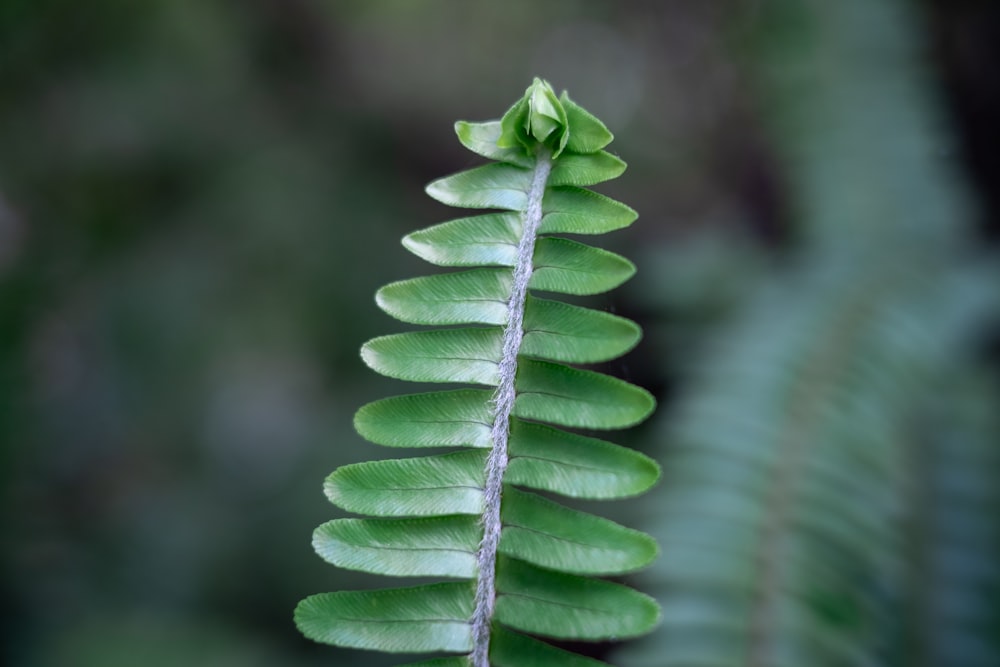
[{"x": 198, "y": 199}]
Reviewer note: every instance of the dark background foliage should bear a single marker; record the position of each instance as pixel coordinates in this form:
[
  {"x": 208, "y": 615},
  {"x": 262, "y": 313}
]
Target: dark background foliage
[{"x": 198, "y": 199}]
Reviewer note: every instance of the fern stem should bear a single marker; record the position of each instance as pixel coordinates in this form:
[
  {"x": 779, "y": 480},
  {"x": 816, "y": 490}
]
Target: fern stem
[{"x": 496, "y": 463}]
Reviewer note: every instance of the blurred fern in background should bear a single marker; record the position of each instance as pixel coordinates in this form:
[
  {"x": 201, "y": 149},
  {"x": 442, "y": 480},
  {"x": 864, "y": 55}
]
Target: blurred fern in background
[{"x": 830, "y": 463}]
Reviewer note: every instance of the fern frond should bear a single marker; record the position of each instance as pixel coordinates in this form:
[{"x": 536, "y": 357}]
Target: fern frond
[
  {"x": 780, "y": 516},
  {"x": 802, "y": 454},
  {"x": 522, "y": 563}
]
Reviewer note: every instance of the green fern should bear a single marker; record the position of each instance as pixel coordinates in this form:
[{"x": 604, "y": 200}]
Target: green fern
[
  {"x": 522, "y": 563},
  {"x": 830, "y": 476}
]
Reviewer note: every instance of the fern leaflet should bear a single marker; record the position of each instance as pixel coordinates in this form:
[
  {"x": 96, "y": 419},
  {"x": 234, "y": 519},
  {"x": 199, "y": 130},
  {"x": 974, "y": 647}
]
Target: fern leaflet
[{"x": 520, "y": 563}]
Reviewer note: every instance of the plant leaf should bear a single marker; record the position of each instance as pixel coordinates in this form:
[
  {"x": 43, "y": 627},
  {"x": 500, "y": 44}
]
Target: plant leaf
[
  {"x": 586, "y": 169},
  {"x": 549, "y": 535},
  {"x": 453, "y": 661},
  {"x": 511, "y": 649},
  {"x": 443, "y": 355},
  {"x": 568, "y": 606},
  {"x": 563, "y": 332},
  {"x": 569, "y": 267},
  {"x": 570, "y": 210},
  {"x": 425, "y": 486},
  {"x": 573, "y": 465},
  {"x": 478, "y": 296},
  {"x": 512, "y": 134},
  {"x": 483, "y": 240},
  {"x": 436, "y": 419},
  {"x": 502, "y": 186},
  {"x": 546, "y": 118},
  {"x": 573, "y": 397},
  {"x": 417, "y": 619},
  {"x": 587, "y": 134},
  {"x": 482, "y": 138},
  {"x": 442, "y": 546}
]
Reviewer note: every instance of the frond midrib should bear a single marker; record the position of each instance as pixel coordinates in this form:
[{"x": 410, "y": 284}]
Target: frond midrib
[{"x": 497, "y": 461}]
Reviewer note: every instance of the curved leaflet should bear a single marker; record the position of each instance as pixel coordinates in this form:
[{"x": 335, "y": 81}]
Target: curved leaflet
[{"x": 517, "y": 562}]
